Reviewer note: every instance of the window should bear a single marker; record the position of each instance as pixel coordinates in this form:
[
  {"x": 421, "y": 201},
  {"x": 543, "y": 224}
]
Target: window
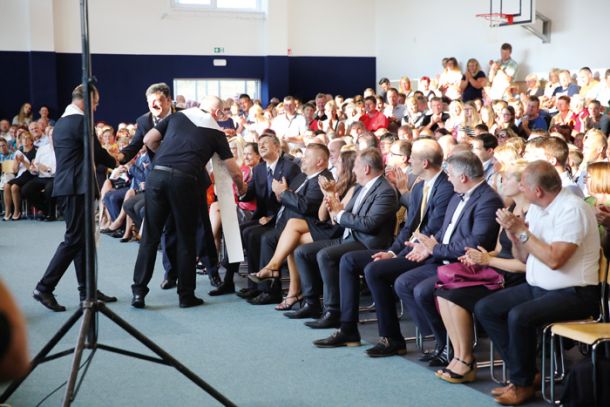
[
  {"x": 195, "y": 89},
  {"x": 228, "y": 5}
]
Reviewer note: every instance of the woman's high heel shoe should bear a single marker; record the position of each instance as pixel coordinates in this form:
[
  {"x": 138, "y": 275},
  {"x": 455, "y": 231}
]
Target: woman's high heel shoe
[
  {"x": 469, "y": 376},
  {"x": 258, "y": 278},
  {"x": 287, "y": 304}
]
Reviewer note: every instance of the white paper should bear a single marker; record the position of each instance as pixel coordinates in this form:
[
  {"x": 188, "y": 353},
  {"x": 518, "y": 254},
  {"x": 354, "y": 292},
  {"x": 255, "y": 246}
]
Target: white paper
[{"x": 228, "y": 211}]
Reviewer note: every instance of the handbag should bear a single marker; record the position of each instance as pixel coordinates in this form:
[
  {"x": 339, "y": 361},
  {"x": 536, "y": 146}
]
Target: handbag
[{"x": 458, "y": 275}]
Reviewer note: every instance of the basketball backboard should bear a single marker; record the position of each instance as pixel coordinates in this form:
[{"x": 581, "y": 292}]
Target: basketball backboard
[{"x": 522, "y": 11}]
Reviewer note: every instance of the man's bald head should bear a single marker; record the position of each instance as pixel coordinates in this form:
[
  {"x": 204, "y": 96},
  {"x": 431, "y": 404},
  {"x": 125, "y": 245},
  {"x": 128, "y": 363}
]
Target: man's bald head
[
  {"x": 429, "y": 150},
  {"x": 211, "y": 104},
  {"x": 541, "y": 174}
]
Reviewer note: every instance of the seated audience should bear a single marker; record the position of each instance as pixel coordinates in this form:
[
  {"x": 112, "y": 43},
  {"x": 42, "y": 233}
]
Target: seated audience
[
  {"x": 456, "y": 305},
  {"x": 368, "y": 221},
  {"x": 21, "y": 166},
  {"x": 558, "y": 241}
]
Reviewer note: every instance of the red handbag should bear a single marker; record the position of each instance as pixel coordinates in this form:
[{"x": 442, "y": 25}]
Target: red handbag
[{"x": 458, "y": 275}]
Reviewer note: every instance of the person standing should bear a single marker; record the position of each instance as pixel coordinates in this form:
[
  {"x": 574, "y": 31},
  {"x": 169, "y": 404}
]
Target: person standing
[
  {"x": 190, "y": 138},
  {"x": 70, "y": 187}
]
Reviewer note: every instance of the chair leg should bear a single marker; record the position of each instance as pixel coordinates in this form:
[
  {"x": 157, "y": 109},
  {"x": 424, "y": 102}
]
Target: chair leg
[{"x": 594, "y": 363}]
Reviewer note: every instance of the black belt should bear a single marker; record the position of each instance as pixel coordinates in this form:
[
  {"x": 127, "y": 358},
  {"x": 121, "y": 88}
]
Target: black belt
[{"x": 174, "y": 172}]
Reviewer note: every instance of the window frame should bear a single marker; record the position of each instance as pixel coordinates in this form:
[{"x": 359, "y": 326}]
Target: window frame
[
  {"x": 213, "y": 8},
  {"x": 257, "y": 81}
]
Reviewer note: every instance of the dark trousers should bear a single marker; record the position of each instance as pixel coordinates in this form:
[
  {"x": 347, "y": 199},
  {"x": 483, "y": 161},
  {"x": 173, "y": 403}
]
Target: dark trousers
[
  {"x": 318, "y": 265},
  {"x": 206, "y": 248},
  {"x": 380, "y": 276},
  {"x": 133, "y": 208},
  {"x": 72, "y": 249},
  {"x": 511, "y": 317},
  {"x": 416, "y": 290},
  {"x": 176, "y": 194},
  {"x": 39, "y": 191}
]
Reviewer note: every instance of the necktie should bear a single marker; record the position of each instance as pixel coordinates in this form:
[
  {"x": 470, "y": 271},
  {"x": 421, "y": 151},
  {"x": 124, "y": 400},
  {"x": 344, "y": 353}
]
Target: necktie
[
  {"x": 269, "y": 180},
  {"x": 354, "y": 210},
  {"x": 423, "y": 206}
]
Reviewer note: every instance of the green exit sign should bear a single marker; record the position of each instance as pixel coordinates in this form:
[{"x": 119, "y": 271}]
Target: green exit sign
[{"x": 219, "y": 50}]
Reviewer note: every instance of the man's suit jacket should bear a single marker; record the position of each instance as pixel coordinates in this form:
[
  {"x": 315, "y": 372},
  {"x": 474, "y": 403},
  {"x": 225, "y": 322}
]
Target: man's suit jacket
[
  {"x": 266, "y": 203},
  {"x": 304, "y": 203},
  {"x": 68, "y": 146},
  {"x": 373, "y": 224},
  {"x": 144, "y": 124},
  {"x": 476, "y": 225},
  {"x": 439, "y": 197}
]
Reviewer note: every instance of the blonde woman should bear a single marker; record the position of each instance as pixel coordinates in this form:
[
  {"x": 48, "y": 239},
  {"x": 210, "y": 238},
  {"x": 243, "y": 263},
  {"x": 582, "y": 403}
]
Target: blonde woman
[
  {"x": 24, "y": 117},
  {"x": 471, "y": 118},
  {"x": 488, "y": 117},
  {"x": 473, "y": 81},
  {"x": 450, "y": 80},
  {"x": 457, "y": 305},
  {"x": 261, "y": 121},
  {"x": 456, "y": 117}
]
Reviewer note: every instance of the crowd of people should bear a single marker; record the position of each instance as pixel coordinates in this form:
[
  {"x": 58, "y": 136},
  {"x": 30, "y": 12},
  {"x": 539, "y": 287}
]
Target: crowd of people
[{"x": 470, "y": 175}]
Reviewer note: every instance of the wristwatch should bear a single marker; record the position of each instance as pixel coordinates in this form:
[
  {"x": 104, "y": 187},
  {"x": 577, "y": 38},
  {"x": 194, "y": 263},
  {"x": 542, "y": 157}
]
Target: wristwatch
[{"x": 524, "y": 237}]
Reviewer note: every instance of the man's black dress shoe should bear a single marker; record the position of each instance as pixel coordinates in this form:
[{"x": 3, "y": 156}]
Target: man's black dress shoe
[
  {"x": 328, "y": 320},
  {"x": 100, "y": 296},
  {"x": 265, "y": 298},
  {"x": 428, "y": 356},
  {"x": 248, "y": 293},
  {"x": 387, "y": 347},
  {"x": 439, "y": 361},
  {"x": 137, "y": 301},
  {"x": 168, "y": 284},
  {"x": 306, "y": 311},
  {"x": 337, "y": 339},
  {"x": 48, "y": 300},
  {"x": 224, "y": 288},
  {"x": 192, "y": 301}
]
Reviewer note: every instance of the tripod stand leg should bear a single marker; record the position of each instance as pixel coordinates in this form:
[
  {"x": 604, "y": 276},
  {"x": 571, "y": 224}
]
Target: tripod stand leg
[
  {"x": 165, "y": 356},
  {"x": 78, "y": 353},
  {"x": 39, "y": 358}
]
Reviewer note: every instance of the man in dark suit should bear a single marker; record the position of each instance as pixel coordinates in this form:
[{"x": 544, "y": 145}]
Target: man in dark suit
[
  {"x": 368, "y": 218},
  {"x": 426, "y": 207},
  {"x": 302, "y": 199},
  {"x": 70, "y": 187},
  {"x": 275, "y": 166},
  {"x": 468, "y": 222}
]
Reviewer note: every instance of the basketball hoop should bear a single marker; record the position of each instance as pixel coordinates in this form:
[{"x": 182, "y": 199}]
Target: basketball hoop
[{"x": 497, "y": 19}]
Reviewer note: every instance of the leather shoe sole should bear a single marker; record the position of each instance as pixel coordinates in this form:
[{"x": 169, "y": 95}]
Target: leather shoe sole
[
  {"x": 168, "y": 284},
  {"x": 48, "y": 300},
  {"x": 336, "y": 340},
  {"x": 137, "y": 301},
  {"x": 303, "y": 313},
  {"x": 191, "y": 302},
  {"x": 323, "y": 323},
  {"x": 222, "y": 290}
]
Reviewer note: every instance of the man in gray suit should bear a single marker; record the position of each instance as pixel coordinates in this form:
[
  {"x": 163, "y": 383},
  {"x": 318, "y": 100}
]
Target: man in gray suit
[{"x": 368, "y": 219}]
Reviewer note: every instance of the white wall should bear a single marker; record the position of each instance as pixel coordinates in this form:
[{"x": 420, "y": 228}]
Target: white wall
[
  {"x": 413, "y": 36},
  {"x": 308, "y": 27}
]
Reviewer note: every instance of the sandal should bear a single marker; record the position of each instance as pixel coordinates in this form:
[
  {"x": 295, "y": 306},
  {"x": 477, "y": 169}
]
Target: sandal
[
  {"x": 469, "y": 376},
  {"x": 259, "y": 278},
  {"x": 286, "y": 305}
]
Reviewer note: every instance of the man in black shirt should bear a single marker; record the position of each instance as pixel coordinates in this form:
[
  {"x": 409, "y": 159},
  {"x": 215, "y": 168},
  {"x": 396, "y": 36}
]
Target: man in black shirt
[
  {"x": 190, "y": 138},
  {"x": 70, "y": 187}
]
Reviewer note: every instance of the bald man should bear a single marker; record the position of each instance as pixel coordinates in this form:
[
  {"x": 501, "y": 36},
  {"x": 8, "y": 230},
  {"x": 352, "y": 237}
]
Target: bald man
[{"x": 190, "y": 138}]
